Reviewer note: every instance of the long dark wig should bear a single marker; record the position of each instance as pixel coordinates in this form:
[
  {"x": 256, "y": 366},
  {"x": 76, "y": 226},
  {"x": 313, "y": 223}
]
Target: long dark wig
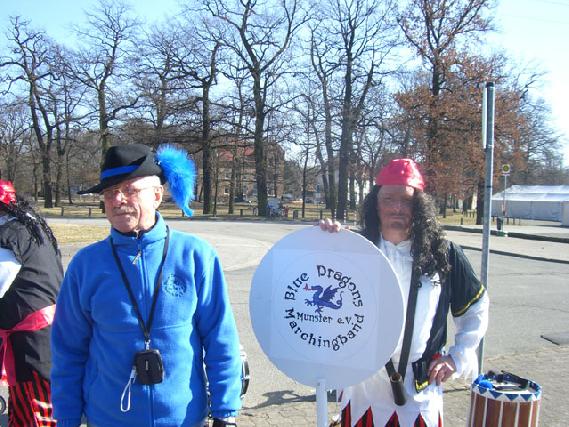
[
  {"x": 35, "y": 224},
  {"x": 429, "y": 247}
]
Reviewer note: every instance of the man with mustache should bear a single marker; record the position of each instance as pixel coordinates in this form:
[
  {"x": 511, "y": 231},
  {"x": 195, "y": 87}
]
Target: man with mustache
[
  {"x": 435, "y": 276},
  {"x": 141, "y": 312}
]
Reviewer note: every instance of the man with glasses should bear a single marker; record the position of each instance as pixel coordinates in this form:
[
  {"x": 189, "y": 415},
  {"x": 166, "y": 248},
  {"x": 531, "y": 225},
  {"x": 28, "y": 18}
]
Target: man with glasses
[
  {"x": 141, "y": 312},
  {"x": 435, "y": 276}
]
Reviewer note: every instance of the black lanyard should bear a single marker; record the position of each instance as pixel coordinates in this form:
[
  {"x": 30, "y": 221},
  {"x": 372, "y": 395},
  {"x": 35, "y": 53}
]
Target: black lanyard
[{"x": 145, "y": 328}]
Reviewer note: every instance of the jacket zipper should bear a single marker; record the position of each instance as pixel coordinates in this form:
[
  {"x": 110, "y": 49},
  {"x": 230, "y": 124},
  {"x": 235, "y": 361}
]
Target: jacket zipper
[{"x": 145, "y": 295}]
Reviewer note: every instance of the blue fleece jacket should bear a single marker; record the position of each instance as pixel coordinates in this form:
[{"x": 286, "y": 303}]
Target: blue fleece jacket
[{"x": 96, "y": 334}]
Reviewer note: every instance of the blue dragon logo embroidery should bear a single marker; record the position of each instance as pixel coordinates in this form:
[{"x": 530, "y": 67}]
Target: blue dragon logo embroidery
[
  {"x": 323, "y": 298},
  {"x": 174, "y": 286}
]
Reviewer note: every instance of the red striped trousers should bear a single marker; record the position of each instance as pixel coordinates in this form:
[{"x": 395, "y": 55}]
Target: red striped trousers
[
  {"x": 367, "y": 420},
  {"x": 29, "y": 403}
]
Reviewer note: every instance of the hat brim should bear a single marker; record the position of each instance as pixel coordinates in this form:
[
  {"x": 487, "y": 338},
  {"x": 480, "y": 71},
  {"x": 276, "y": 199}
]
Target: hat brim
[
  {"x": 146, "y": 168},
  {"x": 97, "y": 189}
]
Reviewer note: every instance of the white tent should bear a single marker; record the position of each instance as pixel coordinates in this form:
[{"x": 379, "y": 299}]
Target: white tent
[{"x": 542, "y": 202}]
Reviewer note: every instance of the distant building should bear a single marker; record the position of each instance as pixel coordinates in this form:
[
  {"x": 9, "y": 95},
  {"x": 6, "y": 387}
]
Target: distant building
[{"x": 240, "y": 162}]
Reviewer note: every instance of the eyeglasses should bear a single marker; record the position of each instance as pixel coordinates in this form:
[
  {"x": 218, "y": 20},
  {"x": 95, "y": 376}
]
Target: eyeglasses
[
  {"x": 126, "y": 192},
  {"x": 391, "y": 202}
]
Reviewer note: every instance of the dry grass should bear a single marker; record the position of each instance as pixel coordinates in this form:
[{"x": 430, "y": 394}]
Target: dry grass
[
  {"x": 456, "y": 218},
  {"x": 71, "y": 233}
]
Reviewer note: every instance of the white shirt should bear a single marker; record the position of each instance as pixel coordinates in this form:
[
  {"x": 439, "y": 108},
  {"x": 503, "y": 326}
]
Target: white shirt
[
  {"x": 375, "y": 392},
  {"x": 9, "y": 265}
]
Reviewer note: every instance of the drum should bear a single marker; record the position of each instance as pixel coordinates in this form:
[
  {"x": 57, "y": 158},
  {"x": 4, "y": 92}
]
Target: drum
[{"x": 504, "y": 400}]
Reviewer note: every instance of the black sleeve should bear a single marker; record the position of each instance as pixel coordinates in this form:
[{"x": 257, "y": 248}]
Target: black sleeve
[
  {"x": 466, "y": 288},
  {"x": 16, "y": 238}
]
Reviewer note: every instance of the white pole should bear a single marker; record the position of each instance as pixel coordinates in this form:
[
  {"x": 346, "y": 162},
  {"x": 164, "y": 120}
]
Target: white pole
[
  {"x": 484, "y": 113},
  {"x": 505, "y": 185},
  {"x": 321, "y": 404},
  {"x": 488, "y": 131},
  {"x": 504, "y": 212}
]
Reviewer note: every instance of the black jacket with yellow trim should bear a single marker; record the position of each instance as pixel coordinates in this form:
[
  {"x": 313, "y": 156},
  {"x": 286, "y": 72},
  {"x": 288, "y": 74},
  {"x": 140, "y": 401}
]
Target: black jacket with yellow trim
[{"x": 460, "y": 289}]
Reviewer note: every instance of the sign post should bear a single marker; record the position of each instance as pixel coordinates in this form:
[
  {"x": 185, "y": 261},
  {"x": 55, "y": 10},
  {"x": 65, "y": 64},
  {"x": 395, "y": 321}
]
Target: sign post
[{"x": 505, "y": 173}]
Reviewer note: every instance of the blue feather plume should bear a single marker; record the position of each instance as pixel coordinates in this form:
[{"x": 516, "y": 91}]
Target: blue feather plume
[{"x": 180, "y": 173}]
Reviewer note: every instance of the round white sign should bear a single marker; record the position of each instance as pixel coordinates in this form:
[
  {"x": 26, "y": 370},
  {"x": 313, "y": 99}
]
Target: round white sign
[{"x": 326, "y": 307}]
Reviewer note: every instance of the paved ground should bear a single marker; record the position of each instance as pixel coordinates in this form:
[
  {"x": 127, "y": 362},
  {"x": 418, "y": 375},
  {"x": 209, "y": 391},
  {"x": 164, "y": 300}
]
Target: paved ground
[{"x": 517, "y": 265}]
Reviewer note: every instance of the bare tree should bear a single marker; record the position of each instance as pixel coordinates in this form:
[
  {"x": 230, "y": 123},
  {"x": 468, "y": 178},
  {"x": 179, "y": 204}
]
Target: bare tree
[
  {"x": 260, "y": 33},
  {"x": 237, "y": 104},
  {"x": 324, "y": 72},
  {"x": 166, "y": 91},
  {"x": 14, "y": 126},
  {"x": 359, "y": 36},
  {"x": 375, "y": 136},
  {"x": 309, "y": 143},
  {"x": 65, "y": 99},
  {"x": 104, "y": 62},
  {"x": 30, "y": 65},
  {"x": 200, "y": 64}
]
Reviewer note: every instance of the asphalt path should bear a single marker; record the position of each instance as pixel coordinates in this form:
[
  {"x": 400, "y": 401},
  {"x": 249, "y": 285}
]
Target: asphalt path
[{"x": 529, "y": 299}]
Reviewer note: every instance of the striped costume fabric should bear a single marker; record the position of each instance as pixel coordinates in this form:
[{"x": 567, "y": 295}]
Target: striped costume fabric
[
  {"x": 367, "y": 420},
  {"x": 29, "y": 403}
]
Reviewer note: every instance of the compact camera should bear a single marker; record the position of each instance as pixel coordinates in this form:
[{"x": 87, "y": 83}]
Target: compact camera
[{"x": 149, "y": 367}]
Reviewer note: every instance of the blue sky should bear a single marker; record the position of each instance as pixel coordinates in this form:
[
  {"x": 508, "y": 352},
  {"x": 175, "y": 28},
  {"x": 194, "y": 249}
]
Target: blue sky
[
  {"x": 534, "y": 32},
  {"x": 537, "y": 32}
]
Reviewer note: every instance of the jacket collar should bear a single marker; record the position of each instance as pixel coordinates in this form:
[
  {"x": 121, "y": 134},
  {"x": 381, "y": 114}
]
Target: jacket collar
[
  {"x": 395, "y": 251},
  {"x": 156, "y": 233}
]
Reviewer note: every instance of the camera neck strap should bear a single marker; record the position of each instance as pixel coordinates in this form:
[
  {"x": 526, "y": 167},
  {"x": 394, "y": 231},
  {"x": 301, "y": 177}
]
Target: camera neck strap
[
  {"x": 145, "y": 327},
  {"x": 409, "y": 326}
]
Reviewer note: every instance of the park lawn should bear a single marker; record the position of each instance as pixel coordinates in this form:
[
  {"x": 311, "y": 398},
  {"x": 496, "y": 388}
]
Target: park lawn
[{"x": 72, "y": 233}]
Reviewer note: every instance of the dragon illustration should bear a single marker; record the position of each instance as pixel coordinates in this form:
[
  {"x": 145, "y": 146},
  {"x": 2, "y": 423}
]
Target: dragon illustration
[{"x": 323, "y": 298}]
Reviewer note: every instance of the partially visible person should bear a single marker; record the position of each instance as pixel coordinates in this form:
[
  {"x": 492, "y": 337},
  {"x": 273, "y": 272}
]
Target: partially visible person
[
  {"x": 141, "y": 312},
  {"x": 435, "y": 277},
  {"x": 30, "y": 277}
]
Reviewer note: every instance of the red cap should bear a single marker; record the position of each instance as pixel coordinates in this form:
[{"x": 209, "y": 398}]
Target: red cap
[
  {"x": 7, "y": 192},
  {"x": 401, "y": 172}
]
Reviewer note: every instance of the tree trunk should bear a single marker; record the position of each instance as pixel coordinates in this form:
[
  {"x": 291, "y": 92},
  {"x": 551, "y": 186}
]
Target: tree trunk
[
  {"x": 46, "y": 176},
  {"x": 232, "y": 183},
  {"x": 304, "y": 181},
  {"x": 215, "y": 194},
  {"x": 345, "y": 142},
  {"x": 207, "y": 152},
  {"x": 260, "y": 161},
  {"x": 103, "y": 122},
  {"x": 352, "y": 191},
  {"x": 323, "y": 174},
  {"x": 69, "y": 197},
  {"x": 60, "y": 150}
]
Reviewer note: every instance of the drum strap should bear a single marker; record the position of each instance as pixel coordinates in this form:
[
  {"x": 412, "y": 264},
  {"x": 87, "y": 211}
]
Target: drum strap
[{"x": 397, "y": 377}]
